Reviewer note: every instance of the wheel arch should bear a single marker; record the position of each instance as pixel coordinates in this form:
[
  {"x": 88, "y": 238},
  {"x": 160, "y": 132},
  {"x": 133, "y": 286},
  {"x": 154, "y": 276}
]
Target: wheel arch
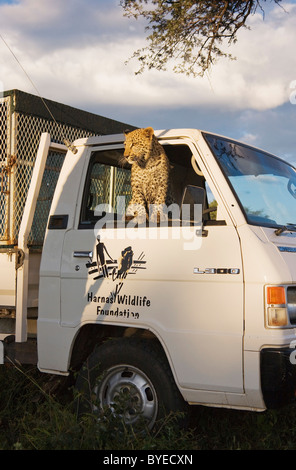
[{"x": 91, "y": 335}]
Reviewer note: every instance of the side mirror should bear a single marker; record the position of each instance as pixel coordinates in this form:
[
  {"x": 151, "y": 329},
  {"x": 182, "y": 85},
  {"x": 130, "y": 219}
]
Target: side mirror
[{"x": 193, "y": 196}]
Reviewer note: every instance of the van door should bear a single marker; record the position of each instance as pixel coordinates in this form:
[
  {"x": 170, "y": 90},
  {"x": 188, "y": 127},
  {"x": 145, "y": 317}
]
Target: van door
[{"x": 180, "y": 282}]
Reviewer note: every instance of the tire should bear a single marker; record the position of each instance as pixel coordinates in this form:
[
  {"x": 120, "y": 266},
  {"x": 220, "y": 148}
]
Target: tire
[{"x": 134, "y": 374}]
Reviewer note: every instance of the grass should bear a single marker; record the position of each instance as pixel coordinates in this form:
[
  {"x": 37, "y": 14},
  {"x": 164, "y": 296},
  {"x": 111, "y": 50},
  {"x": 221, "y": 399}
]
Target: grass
[{"x": 31, "y": 418}]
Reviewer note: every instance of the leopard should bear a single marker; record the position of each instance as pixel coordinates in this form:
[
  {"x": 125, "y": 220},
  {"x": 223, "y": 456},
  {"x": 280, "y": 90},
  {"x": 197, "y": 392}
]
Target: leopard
[{"x": 150, "y": 176}]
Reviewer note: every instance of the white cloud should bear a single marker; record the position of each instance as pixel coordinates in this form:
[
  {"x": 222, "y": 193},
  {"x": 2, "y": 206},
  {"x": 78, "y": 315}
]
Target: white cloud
[
  {"x": 249, "y": 138},
  {"x": 77, "y": 48}
]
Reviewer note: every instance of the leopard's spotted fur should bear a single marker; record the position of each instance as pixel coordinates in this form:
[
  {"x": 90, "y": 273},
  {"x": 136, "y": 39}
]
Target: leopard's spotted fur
[{"x": 150, "y": 170}]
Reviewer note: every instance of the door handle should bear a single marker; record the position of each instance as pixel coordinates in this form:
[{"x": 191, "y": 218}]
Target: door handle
[{"x": 83, "y": 254}]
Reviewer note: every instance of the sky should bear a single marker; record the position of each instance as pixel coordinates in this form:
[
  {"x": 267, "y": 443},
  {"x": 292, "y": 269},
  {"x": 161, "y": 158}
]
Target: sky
[{"x": 76, "y": 52}]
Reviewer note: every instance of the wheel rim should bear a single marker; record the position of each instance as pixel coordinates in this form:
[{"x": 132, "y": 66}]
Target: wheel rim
[{"x": 129, "y": 393}]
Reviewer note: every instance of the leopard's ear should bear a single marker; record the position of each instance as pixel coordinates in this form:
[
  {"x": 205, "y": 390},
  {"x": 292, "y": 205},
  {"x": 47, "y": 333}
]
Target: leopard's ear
[
  {"x": 127, "y": 131},
  {"x": 149, "y": 131}
]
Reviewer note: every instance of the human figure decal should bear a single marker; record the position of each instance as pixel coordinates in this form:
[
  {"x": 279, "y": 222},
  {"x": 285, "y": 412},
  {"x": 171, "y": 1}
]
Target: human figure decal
[{"x": 102, "y": 265}]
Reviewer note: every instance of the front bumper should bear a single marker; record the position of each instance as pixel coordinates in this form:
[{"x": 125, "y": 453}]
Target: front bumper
[{"x": 278, "y": 377}]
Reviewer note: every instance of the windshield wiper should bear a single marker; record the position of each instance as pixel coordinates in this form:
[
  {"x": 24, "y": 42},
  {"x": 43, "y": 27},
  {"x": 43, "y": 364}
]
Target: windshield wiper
[{"x": 285, "y": 228}]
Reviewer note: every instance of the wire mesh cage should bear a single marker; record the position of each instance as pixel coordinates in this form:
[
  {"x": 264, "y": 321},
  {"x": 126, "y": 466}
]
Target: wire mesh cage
[
  {"x": 4, "y": 152},
  {"x": 29, "y": 130}
]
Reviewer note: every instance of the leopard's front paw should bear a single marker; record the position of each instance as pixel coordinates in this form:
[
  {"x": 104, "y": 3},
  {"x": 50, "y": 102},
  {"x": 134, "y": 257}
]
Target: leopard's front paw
[
  {"x": 158, "y": 213},
  {"x": 136, "y": 212}
]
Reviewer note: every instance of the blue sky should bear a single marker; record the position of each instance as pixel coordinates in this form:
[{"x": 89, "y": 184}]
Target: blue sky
[{"x": 75, "y": 52}]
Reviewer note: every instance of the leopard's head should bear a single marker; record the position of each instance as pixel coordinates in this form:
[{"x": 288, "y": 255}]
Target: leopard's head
[{"x": 137, "y": 145}]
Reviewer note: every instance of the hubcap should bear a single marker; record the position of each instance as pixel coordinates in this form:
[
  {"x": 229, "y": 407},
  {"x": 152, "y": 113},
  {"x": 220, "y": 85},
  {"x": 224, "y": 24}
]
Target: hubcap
[{"x": 129, "y": 393}]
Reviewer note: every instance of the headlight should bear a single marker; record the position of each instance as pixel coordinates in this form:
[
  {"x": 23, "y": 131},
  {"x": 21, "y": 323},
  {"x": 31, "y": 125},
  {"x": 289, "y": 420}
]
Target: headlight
[{"x": 291, "y": 297}]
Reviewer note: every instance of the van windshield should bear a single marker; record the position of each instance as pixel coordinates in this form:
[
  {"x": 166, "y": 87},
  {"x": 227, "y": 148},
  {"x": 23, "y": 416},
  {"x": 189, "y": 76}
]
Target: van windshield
[{"x": 264, "y": 184}]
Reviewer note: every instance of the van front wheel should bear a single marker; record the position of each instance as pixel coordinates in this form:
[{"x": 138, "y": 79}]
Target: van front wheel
[{"x": 131, "y": 378}]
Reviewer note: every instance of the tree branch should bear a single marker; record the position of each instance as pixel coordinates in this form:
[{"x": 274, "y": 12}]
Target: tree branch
[{"x": 188, "y": 31}]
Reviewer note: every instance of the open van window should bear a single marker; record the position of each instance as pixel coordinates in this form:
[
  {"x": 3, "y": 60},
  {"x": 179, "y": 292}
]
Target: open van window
[{"x": 108, "y": 183}]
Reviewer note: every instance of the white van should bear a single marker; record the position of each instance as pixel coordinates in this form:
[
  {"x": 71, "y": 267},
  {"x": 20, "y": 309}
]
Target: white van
[{"x": 198, "y": 312}]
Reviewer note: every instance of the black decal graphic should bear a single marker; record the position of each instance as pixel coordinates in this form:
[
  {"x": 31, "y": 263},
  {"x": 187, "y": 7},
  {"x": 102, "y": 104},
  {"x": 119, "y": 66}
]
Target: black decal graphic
[
  {"x": 103, "y": 265},
  {"x": 125, "y": 262}
]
